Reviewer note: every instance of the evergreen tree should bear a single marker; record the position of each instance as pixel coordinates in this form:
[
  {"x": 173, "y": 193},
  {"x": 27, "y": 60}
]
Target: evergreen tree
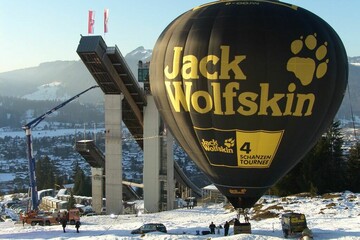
[
  {"x": 324, "y": 166},
  {"x": 47, "y": 174},
  {"x": 288, "y": 184},
  {"x": 321, "y": 170},
  {"x": 353, "y": 169},
  {"x": 82, "y": 183},
  {"x": 72, "y": 202},
  {"x": 334, "y": 167}
]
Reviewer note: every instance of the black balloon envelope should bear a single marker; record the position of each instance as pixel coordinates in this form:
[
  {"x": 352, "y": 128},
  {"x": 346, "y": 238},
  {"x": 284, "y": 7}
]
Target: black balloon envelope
[{"x": 247, "y": 88}]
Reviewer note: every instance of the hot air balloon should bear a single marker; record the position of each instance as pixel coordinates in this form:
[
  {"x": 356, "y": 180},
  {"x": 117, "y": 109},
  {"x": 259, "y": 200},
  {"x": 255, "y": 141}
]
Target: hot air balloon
[{"x": 247, "y": 88}]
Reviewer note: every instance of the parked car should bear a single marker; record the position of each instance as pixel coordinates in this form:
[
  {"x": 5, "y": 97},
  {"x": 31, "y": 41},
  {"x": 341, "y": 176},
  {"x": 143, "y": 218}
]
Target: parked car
[
  {"x": 103, "y": 211},
  {"x": 293, "y": 224},
  {"x": 6, "y": 218},
  {"x": 150, "y": 227},
  {"x": 91, "y": 214}
]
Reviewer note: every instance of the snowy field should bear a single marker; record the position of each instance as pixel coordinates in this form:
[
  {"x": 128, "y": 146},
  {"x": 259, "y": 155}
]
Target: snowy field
[{"x": 335, "y": 216}]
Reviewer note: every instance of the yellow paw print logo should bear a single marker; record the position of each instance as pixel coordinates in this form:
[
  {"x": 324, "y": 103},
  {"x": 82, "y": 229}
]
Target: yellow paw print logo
[
  {"x": 305, "y": 68},
  {"x": 229, "y": 142}
]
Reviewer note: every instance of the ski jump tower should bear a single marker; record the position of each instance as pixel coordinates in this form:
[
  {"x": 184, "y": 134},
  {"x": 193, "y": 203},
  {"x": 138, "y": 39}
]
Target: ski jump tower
[{"x": 126, "y": 102}]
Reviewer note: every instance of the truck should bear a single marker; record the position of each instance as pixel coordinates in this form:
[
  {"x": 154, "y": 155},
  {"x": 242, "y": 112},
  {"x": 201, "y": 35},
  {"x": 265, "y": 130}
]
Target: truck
[
  {"x": 41, "y": 218},
  {"x": 293, "y": 224},
  {"x": 37, "y": 218},
  {"x": 72, "y": 216}
]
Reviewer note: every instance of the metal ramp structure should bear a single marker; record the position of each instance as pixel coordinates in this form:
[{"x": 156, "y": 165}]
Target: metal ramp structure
[
  {"x": 93, "y": 155},
  {"x": 183, "y": 180},
  {"x": 112, "y": 74}
]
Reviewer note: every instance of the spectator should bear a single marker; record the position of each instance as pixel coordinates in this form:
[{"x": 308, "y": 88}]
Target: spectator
[
  {"x": 63, "y": 223},
  {"x": 212, "y": 228},
  {"x": 77, "y": 226},
  {"x": 226, "y": 228},
  {"x": 218, "y": 229}
]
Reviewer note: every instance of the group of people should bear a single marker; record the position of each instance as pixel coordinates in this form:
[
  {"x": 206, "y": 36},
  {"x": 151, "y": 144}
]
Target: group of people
[
  {"x": 190, "y": 204},
  {"x": 64, "y": 223},
  {"x": 212, "y": 227},
  {"x": 236, "y": 223}
]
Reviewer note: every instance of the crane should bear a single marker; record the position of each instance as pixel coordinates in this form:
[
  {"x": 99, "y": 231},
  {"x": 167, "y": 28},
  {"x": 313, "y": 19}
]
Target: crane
[{"x": 31, "y": 160}]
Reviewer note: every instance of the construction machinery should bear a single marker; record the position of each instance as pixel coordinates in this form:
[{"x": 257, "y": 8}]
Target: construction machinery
[{"x": 33, "y": 215}]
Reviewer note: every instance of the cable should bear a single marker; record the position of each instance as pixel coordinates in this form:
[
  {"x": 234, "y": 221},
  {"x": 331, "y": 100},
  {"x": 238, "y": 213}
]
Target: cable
[{"x": 352, "y": 114}]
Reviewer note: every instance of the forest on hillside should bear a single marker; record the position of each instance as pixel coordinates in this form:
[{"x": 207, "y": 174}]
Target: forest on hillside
[{"x": 15, "y": 110}]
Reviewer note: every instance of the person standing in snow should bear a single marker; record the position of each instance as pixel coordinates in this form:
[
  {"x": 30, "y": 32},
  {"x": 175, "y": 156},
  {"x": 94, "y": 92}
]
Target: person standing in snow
[
  {"x": 212, "y": 228},
  {"x": 236, "y": 222},
  {"x": 77, "y": 226},
  {"x": 218, "y": 229},
  {"x": 226, "y": 228},
  {"x": 306, "y": 234},
  {"x": 63, "y": 223}
]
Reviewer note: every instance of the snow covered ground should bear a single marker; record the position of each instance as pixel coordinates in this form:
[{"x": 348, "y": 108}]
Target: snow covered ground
[{"x": 334, "y": 216}]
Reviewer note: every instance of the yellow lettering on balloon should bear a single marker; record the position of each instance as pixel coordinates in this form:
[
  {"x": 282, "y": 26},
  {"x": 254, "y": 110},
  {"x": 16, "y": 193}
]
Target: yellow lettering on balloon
[{"x": 191, "y": 66}]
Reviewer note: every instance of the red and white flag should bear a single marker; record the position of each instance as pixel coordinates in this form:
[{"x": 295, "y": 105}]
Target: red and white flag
[
  {"x": 106, "y": 18},
  {"x": 91, "y": 22}
]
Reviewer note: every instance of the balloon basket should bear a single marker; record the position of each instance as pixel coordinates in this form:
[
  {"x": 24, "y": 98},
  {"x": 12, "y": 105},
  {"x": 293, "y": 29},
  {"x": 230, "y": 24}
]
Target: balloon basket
[{"x": 242, "y": 228}]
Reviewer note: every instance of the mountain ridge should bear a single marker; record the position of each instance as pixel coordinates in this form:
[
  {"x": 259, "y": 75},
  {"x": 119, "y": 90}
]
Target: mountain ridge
[
  {"x": 73, "y": 77},
  {"x": 68, "y": 78}
]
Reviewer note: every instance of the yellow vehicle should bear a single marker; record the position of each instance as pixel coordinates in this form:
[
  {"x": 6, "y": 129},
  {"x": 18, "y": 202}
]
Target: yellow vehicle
[{"x": 293, "y": 224}]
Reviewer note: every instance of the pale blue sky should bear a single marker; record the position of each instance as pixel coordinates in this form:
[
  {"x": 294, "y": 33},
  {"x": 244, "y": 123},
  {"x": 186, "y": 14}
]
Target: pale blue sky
[{"x": 36, "y": 31}]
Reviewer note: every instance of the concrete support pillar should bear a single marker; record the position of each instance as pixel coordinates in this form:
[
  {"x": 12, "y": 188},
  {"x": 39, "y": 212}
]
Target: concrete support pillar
[
  {"x": 151, "y": 169},
  {"x": 113, "y": 153},
  {"x": 97, "y": 182},
  {"x": 170, "y": 171}
]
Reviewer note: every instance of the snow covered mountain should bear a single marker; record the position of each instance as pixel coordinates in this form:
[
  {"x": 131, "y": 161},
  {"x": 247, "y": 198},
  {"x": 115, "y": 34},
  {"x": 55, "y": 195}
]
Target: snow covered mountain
[
  {"x": 354, "y": 61},
  {"x": 67, "y": 78},
  {"x": 139, "y": 54},
  {"x": 49, "y": 91}
]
